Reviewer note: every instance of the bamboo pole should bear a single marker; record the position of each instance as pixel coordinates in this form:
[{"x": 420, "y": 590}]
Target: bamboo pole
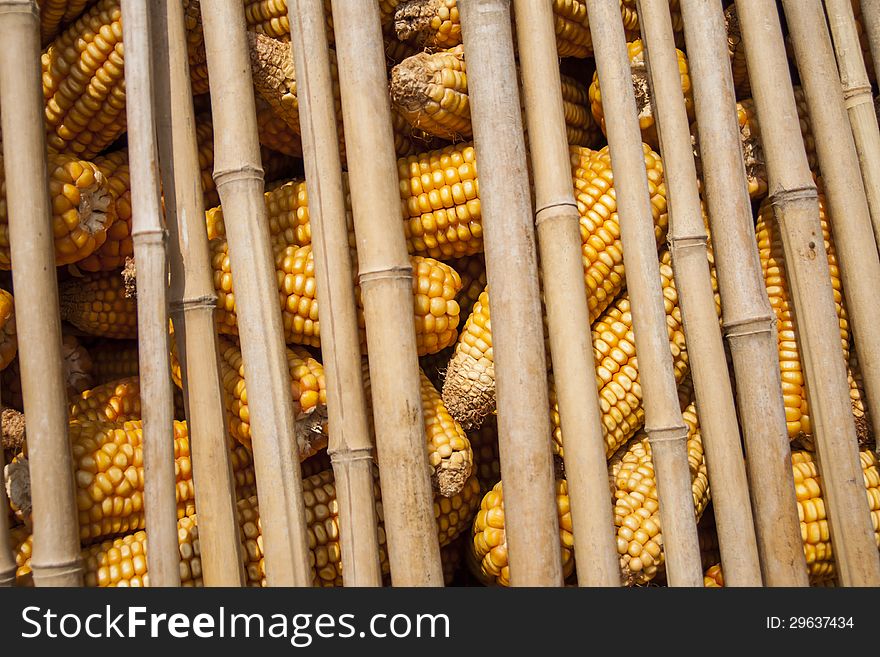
[
  {"x": 56, "y": 557},
  {"x": 859, "y": 101},
  {"x": 511, "y": 265},
  {"x": 193, "y": 301},
  {"x": 667, "y": 432},
  {"x": 853, "y": 236},
  {"x": 148, "y": 236},
  {"x": 688, "y": 243},
  {"x": 350, "y": 448},
  {"x": 7, "y": 561},
  {"x": 748, "y": 321},
  {"x": 385, "y": 274},
  {"x": 854, "y": 548},
  {"x": 239, "y": 176},
  {"x": 565, "y": 297},
  {"x": 871, "y": 23}
]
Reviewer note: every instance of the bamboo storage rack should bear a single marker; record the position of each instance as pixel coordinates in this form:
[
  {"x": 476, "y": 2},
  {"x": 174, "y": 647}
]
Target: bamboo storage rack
[{"x": 399, "y": 164}]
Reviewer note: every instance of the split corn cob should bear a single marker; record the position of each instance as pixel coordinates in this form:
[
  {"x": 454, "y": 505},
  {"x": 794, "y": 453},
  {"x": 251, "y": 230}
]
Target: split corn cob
[
  {"x": 122, "y": 561},
  {"x": 469, "y": 388},
  {"x": 643, "y": 93},
  {"x": 430, "y": 92},
  {"x": 814, "y": 523},
  {"x": 450, "y": 458},
  {"x": 8, "y": 339},
  {"x": 636, "y": 513},
  {"x": 794, "y": 393},
  {"x": 82, "y": 209},
  {"x": 434, "y": 288},
  {"x": 97, "y": 304}
]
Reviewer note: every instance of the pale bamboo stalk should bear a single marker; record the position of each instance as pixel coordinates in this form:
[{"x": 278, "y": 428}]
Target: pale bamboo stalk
[
  {"x": 350, "y": 446},
  {"x": 385, "y": 274},
  {"x": 56, "y": 557},
  {"x": 238, "y": 173},
  {"x": 852, "y": 534},
  {"x": 193, "y": 300},
  {"x": 565, "y": 298},
  {"x": 667, "y": 432},
  {"x": 512, "y": 268},
  {"x": 859, "y": 101},
  {"x": 7, "y": 561},
  {"x": 688, "y": 243},
  {"x": 871, "y": 23},
  {"x": 148, "y": 236},
  {"x": 748, "y": 321}
]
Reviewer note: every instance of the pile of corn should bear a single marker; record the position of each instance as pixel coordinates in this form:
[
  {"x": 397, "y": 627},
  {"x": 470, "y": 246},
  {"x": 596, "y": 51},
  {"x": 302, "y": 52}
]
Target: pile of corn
[{"x": 438, "y": 175}]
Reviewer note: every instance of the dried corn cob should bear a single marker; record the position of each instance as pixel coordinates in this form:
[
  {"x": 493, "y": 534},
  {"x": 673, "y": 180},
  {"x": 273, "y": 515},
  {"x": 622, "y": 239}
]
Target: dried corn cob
[
  {"x": 430, "y": 92},
  {"x": 56, "y": 14},
  {"x": 864, "y": 426},
  {"x": 195, "y": 47},
  {"x": 637, "y": 506},
  {"x": 274, "y": 133},
  {"x": 737, "y": 50},
  {"x": 435, "y": 24},
  {"x": 636, "y": 513},
  {"x": 97, "y": 304},
  {"x": 814, "y": 523},
  {"x": 316, "y": 464},
  {"x": 109, "y": 475},
  {"x": 490, "y": 542},
  {"x": 434, "y": 288},
  {"x": 643, "y": 93},
  {"x": 750, "y": 136},
  {"x": 82, "y": 209},
  {"x": 8, "y": 339},
  {"x": 469, "y": 388},
  {"x": 77, "y": 368},
  {"x": 450, "y": 457},
  {"x": 114, "y": 359},
  {"x": 122, "y": 561},
  {"x": 617, "y": 371},
  {"x": 472, "y": 270},
  {"x": 772, "y": 256},
  {"x": 114, "y": 402},
  {"x": 270, "y": 17}
]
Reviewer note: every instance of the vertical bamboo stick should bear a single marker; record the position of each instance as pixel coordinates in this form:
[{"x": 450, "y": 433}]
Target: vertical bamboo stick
[
  {"x": 747, "y": 316},
  {"x": 7, "y": 561},
  {"x": 855, "y": 552},
  {"x": 565, "y": 298},
  {"x": 667, "y": 432},
  {"x": 385, "y": 274},
  {"x": 688, "y": 242},
  {"x": 193, "y": 300},
  {"x": 511, "y": 265},
  {"x": 853, "y": 236},
  {"x": 148, "y": 237},
  {"x": 859, "y": 101},
  {"x": 239, "y": 176},
  {"x": 56, "y": 557},
  {"x": 871, "y": 23},
  {"x": 350, "y": 448}
]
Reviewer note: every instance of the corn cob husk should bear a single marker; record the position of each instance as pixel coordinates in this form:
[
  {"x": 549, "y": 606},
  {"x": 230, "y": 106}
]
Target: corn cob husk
[
  {"x": 122, "y": 561},
  {"x": 83, "y": 209},
  {"x": 469, "y": 388},
  {"x": 430, "y": 92},
  {"x": 643, "y": 93},
  {"x": 794, "y": 391},
  {"x": 8, "y": 339},
  {"x": 636, "y": 513}
]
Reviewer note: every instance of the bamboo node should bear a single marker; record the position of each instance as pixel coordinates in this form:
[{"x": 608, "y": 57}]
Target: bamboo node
[
  {"x": 13, "y": 7},
  {"x": 682, "y": 242},
  {"x": 668, "y": 434},
  {"x": 195, "y": 303},
  {"x": 61, "y": 569},
  {"x": 402, "y": 272},
  {"x": 853, "y": 96},
  {"x": 784, "y": 196},
  {"x": 557, "y": 211},
  {"x": 247, "y": 172},
  {"x": 344, "y": 455}
]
